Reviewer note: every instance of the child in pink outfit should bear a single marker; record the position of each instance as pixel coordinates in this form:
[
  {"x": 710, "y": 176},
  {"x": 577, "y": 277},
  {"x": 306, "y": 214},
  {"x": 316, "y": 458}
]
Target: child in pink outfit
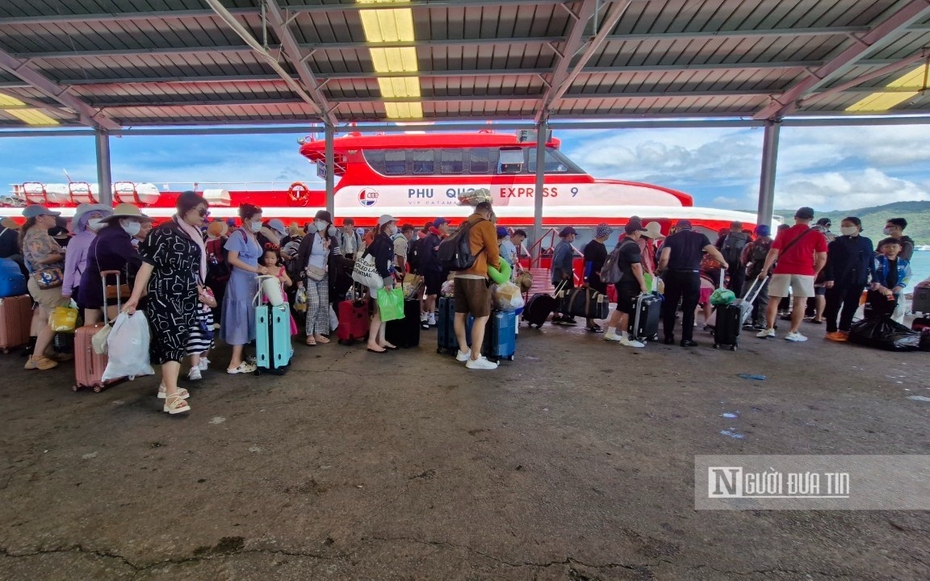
[{"x": 271, "y": 259}]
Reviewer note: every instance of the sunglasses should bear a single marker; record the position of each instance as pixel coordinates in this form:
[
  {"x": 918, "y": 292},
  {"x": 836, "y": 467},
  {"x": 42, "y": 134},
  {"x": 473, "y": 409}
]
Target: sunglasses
[{"x": 203, "y": 213}]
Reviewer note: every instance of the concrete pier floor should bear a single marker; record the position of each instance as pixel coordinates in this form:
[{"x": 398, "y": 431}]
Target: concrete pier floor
[{"x": 574, "y": 462}]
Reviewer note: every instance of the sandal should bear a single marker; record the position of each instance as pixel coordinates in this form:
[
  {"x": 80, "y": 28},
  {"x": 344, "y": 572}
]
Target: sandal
[
  {"x": 175, "y": 405},
  {"x": 311, "y": 342},
  {"x": 244, "y": 367},
  {"x": 321, "y": 340},
  {"x": 163, "y": 394}
]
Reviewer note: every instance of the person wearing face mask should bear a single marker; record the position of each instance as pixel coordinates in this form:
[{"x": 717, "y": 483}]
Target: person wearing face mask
[
  {"x": 172, "y": 273},
  {"x": 237, "y": 326},
  {"x": 110, "y": 249},
  {"x": 319, "y": 259},
  {"x": 848, "y": 269},
  {"x": 894, "y": 228},
  {"x": 87, "y": 221},
  {"x": 382, "y": 248}
]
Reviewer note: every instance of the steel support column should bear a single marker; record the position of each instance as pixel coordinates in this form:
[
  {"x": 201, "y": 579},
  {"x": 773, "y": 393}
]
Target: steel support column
[
  {"x": 541, "y": 131},
  {"x": 330, "y": 170},
  {"x": 104, "y": 180},
  {"x": 767, "y": 179}
]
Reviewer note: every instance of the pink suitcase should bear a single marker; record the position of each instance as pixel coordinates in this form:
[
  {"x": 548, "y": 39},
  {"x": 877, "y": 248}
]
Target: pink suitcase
[
  {"x": 15, "y": 321},
  {"x": 88, "y": 365}
]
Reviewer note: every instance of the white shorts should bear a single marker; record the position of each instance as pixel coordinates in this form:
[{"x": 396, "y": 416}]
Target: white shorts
[{"x": 801, "y": 285}]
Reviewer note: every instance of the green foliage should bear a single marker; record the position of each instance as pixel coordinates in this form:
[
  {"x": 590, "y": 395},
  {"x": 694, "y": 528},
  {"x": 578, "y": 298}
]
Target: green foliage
[{"x": 873, "y": 219}]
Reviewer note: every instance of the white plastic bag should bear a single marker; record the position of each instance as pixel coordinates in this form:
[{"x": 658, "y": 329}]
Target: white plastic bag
[
  {"x": 333, "y": 319},
  {"x": 507, "y": 296},
  {"x": 128, "y": 348}
]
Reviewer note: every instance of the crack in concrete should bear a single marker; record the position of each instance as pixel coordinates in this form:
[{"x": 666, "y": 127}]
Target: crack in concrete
[
  {"x": 773, "y": 570},
  {"x": 103, "y": 554}
]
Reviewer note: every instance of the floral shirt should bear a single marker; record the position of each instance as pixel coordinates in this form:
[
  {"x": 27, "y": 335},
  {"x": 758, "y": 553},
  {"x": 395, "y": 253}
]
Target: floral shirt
[{"x": 37, "y": 246}]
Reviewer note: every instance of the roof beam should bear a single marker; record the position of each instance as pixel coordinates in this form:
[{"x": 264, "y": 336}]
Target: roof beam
[
  {"x": 610, "y": 22},
  {"x": 107, "y": 17},
  {"x": 49, "y": 88},
  {"x": 280, "y": 25},
  {"x": 160, "y": 51},
  {"x": 250, "y": 40},
  {"x": 853, "y": 85},
  {"x": 573, "y": 42},
  {"x": 878, "y": 37}
]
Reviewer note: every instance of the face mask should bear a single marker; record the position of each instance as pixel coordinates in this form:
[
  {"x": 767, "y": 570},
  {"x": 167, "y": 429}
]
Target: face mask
[
  {"x": 94, "y": 224},
  {"x": 131, "y": 228},
  {"x": 887, "y": 231},
  {"x": 255, "y": 226},
  {"x": 320, "y": 225},
  {"x": 391, "y": 230},
  {"x": 849, "y": 230}
]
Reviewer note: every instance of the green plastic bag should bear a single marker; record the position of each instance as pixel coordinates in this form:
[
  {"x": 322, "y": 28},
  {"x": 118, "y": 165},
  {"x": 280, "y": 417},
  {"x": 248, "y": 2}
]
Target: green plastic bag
[
  {"x": 721, "y": 297},
  {"x": 391, "y": 303}
]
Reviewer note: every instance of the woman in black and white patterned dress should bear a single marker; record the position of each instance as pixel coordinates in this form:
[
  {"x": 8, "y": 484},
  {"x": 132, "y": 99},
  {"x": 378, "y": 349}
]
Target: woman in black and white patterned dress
[{"x": 172, "y": 258}]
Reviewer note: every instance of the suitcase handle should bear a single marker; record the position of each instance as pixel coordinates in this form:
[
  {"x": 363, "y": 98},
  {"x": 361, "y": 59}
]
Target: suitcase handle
[
  {"x": 757, "y": 287},
  {"x": 119, "y": 299}
]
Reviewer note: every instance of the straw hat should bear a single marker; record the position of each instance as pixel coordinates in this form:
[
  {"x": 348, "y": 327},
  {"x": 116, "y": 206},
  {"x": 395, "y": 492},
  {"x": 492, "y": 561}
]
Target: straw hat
[
  {"x": 126, "y": 211},
  {"x": 653, "y": 230}
]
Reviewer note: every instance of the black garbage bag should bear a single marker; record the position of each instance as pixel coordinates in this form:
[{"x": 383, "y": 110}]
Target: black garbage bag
[{"x": 883, "y": 333}]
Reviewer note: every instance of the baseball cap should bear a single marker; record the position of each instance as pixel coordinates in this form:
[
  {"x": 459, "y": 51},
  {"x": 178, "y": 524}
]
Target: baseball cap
[
  {"x": 439, "y": 222},
  {"x": 501, "y": 231},
  {"x": 683, "y": 225},
  {"x": 567, "y": 231},
  {"x": 36, "y": 210},
  {"x": 804, "y": 213},
  {"x": 634, "y": 226},
  {"x": 385, "y": 218}
]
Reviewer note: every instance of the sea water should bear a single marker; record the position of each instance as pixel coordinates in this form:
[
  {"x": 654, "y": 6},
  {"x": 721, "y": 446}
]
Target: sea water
[{"x": 920, "y": 269}]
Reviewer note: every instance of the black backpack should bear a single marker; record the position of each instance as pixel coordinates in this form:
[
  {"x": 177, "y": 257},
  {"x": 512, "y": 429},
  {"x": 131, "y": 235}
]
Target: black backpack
[
  {"x": 413, "y": 255},
  {"x": 455, "y": 251},
  {"x": 733, "y": 249}
]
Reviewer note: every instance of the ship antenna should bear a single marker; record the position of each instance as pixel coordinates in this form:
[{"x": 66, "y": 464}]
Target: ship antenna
[{"x": 67, "y": 176}]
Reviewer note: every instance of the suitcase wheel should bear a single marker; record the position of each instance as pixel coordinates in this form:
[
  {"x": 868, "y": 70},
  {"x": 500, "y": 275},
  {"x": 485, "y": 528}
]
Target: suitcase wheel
[
  {"x": 98, "y": 388},
  {"x": 733, "y": 348},
  {"x": 510, "y": 358},
  {"x": 716, "y": 346},
  {"x": 439, "y": 350},
  {"x": 75, "y": 388}
]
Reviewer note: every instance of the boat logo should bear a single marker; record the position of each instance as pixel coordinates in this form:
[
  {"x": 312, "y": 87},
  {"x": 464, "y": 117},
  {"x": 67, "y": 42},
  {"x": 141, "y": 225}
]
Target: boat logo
[{"x": 368, "y": 197}]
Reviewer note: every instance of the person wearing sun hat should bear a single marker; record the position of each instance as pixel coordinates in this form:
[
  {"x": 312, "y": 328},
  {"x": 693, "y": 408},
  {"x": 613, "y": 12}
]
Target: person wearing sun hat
[
  {"x": 563, "y": 275},
  {"x": 45, "y": 258},
  {"x": 110, "y": 249},
  {"x": 382, "y": 248},
  {"x": 595, "y": 254},
  {"x": 87, "y": 221}
]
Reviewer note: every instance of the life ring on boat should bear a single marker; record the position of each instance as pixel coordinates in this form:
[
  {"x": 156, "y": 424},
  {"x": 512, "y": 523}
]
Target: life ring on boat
[{"x": 299, "y": 193}]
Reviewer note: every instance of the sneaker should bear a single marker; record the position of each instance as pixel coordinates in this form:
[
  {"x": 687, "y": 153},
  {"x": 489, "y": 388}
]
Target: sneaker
[
  {"x": 480, "y": 363},
  {"x": 795, "y": 337},
  {"x": 766, "y": 333},
  {"x": 462, "y": 356},
  {"x": 612, "y": 337},
  {"x": 244, "y": 367},
  {"x": 432, "y": 319},
  {"x": 204, "y": 364},
  {"x": 41, "y": 363},
  {"x": 837, "y": 336},
  {"x": 194, "y": 374},
  {"x": 631, "y": 343}
]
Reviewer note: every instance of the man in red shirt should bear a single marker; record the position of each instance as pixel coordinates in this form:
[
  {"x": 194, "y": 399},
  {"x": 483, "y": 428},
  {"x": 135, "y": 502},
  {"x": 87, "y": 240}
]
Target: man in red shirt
[{"x": 800, "y": 252}]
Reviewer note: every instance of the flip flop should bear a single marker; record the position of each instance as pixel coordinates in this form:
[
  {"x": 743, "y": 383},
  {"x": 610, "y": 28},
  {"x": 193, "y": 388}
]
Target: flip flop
[{"x": 374, "y": 351}]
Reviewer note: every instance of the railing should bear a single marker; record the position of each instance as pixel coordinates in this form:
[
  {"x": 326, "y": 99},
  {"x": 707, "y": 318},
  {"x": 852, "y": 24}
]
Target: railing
[
  {"x": 179, "y": 186},
  {"x": 536, "y": 254}
]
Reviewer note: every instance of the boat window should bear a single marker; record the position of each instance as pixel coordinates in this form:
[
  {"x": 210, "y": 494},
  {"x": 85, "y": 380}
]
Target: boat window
[
  {"x": 556, "y": 162},
  {"x": 395, "y": 162},
  {"x": 479, "y": 161},
  {"x": 375, "y": 159},
  {"x": 511, "y": 161},
  {"x": 423, "y": 161},
  {"x": 451, "y": 161}
]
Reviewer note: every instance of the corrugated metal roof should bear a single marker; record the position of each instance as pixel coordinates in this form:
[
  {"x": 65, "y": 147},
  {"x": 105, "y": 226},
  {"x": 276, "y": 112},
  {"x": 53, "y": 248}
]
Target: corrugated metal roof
[{"x": 168, "y": 62}]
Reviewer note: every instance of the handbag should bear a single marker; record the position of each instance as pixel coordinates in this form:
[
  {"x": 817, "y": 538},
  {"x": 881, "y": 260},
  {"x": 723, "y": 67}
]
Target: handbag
[
  {"x": 63, "y": 319},
  {"x": 315, "y": 273},
  {"x": 365, "y": 273},
  {"x": 99, "y": 340},
  {"x": 49, "y": 278}
]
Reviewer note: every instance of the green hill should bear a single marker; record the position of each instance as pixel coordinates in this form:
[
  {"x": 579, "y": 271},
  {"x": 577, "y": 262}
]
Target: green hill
[{"x": 873, "y": 219}]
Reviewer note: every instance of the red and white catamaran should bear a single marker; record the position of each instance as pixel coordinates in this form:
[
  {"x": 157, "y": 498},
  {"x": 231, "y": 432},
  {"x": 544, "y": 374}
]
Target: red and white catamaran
[{"x": 416, "y": 177}]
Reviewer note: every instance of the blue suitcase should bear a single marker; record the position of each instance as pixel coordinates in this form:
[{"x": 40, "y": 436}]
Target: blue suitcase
[
  {"x": 272, "y": 338},
  {"x": 500, "y": 335},
  {"x": 12, "y": 281}
]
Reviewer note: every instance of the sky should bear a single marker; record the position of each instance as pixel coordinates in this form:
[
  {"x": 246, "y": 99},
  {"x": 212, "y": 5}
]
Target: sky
[{"x": 828, "y": 168}]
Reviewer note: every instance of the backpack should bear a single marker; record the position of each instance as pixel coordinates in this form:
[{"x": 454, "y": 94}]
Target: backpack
[
  {"x": 757, "y": 257},
  {"x": 413, "y": 254},
  {"x": 455, "y": 251},
  {"x": 611, "y": 272},
  {"x": 733, "y": 249},
  {"x": 217, "y": 267}
]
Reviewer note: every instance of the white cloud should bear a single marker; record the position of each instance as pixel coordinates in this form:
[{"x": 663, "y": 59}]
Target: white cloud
[
  {"x": 847, "y": 190},
  {"x": 725, "y": 202}
]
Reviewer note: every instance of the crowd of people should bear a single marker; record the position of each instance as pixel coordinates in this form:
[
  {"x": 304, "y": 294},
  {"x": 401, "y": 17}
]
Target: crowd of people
[{"x": 197, "y": 279}]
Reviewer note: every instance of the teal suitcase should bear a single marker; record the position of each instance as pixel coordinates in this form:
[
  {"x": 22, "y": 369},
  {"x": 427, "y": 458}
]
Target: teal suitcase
[{"x": 272, "y": 338}]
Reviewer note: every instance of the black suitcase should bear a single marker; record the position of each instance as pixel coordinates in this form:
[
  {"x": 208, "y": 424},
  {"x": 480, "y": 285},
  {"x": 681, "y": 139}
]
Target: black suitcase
[
  {"x": 538, "y": 309},
  {"x": 446, "y": 342},
  {"x": 405, "y": 332},
  {"x": 732, "y": 317},
  {"x": 644, "y": 325}
]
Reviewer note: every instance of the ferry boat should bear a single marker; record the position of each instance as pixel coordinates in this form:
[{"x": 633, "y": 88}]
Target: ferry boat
[{"x": 416, "y": 177}]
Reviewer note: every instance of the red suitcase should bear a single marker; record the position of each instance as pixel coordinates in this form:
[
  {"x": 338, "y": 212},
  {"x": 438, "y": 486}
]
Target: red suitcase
[
  {"x": 15, "y": 321},
  {"x": 353, "y": 320},
  {"x": 88, "y": 365}
]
